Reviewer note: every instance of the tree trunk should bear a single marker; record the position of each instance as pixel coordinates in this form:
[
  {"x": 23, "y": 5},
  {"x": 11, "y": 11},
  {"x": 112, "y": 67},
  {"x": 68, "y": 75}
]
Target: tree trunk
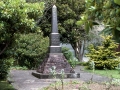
[
  {"x": 79, "y": 50},
  {"x": 7, "y": 43}
]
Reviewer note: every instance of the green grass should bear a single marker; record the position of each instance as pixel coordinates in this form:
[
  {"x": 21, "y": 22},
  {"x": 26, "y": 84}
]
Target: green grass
[
  {"x": 108, "y": 73},
  {"x": 4, "y": 85}
]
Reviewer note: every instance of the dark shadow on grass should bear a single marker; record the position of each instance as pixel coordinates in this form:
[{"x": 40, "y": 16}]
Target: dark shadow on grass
[{"x": 4, "y": 85}]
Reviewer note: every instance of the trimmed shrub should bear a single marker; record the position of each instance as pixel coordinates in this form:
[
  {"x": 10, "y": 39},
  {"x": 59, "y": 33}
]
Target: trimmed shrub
[
  {"x": 70, "y": 57},
  {"x": 31, "y": 49},
  {"x": 5, "y": 64},
  {"x": 105, "y": 55}
]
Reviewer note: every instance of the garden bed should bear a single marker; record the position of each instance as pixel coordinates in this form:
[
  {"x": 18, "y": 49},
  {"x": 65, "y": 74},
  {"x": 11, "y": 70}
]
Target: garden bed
[{"x": 80, "y": 85}]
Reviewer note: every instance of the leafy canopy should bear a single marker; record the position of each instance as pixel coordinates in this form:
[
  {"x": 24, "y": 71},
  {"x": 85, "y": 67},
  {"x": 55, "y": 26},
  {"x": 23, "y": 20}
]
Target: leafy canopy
[
  {"x": 30, "y": 49},
  {"x": 105, "y": 11},
  {"x": 17, "y": 16}
]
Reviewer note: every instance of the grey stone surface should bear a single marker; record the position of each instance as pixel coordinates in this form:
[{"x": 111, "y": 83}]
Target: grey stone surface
[
  {"x": 58, "y": 75},
  {"x": 54, "y": 20},
  {"x": 54, "y": 36},
  {"x": 24, "y": 80},
  {"x": 55, "y": 59},
  {"x": 55, "y": 39}
]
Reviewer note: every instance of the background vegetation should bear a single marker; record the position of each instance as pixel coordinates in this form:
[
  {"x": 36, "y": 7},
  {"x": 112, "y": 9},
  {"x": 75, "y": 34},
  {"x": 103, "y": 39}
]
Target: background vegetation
[
  {"x": 26, "y": 24},
  {"x": 104, "y": 56},
  {"x": 18, "y": 17},
  {"x": 105, "y": 12},
  {"x": 30, "y": 50}
]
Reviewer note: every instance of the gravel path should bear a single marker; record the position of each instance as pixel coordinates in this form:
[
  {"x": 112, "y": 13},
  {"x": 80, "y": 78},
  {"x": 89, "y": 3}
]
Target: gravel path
[{"x": 24, "y": 80}]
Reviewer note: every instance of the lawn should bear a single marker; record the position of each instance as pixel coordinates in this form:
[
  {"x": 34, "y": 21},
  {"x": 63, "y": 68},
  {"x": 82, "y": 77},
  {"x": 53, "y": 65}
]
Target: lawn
[
  {"x": 108, "y": 73},
  {"x": 4, "y": 85}
]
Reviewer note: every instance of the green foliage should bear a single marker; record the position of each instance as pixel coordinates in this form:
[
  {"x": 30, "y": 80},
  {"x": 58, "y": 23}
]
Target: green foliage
[
  {"x": 83, "y": 63},
  {"x": 117, "y": 2},
  {"x": 69, "y": 56},
  {"x": 5, "y": 65},
  {"x": 106, "y": 73},
  {"x": 16, "y": 67},
  {"x": 17, "y": 16},
  {"x": 73, "y": 62},
  {"x": 92, "y": 66},
  {"x": 30, "y": 49},
  {"x": 4, "y": 85},
  {"x": 67, "y": 53},
  {"x": 105, "y": 55},
  {"x": 107, "y": 12}
]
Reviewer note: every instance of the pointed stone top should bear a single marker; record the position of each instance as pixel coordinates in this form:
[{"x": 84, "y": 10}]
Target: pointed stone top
[
  {"x": 54, "y": 20},
  {"x": 54, "y": 6}
]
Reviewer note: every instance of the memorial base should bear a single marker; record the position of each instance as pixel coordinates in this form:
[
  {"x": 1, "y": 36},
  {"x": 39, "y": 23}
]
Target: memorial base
[
  {"x": 56, "y": 60},
  {"x": 59, "y": 62},
  {"x": 50, "y": 76}
]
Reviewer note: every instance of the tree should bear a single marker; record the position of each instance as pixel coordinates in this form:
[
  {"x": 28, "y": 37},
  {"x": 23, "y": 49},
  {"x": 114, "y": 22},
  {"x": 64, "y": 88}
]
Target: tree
[
  {"x": 17, "y": 16},
  {"x": 18, "y": 19},
  {"x": 69, "y": 12},
  {"x": 107, "y": 12},
  {"x": 30, "y": 50}
]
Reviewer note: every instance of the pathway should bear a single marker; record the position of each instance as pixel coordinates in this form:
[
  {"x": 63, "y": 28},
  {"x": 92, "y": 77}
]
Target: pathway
[{"x": 24, "y": 80}]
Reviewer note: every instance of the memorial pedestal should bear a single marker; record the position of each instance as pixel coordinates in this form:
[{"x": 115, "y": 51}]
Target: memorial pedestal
[
  {"x": 58, "y": 60},
  {"x": 55, "y": 59}
]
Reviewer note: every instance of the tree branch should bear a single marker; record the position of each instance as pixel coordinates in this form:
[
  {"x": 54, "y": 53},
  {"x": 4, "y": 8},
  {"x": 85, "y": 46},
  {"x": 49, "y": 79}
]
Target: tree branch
[{"x": 4, "y": 48}]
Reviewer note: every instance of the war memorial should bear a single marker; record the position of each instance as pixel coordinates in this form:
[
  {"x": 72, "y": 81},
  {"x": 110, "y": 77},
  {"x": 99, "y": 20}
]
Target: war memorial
[{"x": 55, "y": 57}]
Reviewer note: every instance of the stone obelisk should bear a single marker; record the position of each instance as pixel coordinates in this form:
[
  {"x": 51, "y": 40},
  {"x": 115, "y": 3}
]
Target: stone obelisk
[
  {"x": 54, "y": 36},
  {"x": 55, "y": 57}
]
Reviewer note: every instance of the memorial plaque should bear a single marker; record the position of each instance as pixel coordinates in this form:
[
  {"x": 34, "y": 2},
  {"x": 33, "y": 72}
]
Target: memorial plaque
[{"x": 55, "y": 39}]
